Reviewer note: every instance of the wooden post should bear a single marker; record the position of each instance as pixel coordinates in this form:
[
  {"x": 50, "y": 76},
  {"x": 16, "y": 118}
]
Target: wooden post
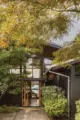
[
  {"x": 25, "y": 95},
  {"x": 40, "y": 93}
]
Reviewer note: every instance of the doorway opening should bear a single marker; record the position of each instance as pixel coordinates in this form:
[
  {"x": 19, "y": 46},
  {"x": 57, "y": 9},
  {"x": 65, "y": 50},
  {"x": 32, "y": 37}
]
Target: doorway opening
[{"x": 32, "y": 93}]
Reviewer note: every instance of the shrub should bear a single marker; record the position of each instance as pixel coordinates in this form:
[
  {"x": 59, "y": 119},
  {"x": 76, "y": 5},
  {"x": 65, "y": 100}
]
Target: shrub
[
  {"x": 77, "y": 115},
  {"x": 8, "y": 109},
  {"x": 54, "y": 101}
]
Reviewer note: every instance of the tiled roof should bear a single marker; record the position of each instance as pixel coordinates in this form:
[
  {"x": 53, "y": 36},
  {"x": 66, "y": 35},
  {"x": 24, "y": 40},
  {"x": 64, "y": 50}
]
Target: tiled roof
[
  {"x": 55, "y": 66},
  {"x": 54, "y": 45}
]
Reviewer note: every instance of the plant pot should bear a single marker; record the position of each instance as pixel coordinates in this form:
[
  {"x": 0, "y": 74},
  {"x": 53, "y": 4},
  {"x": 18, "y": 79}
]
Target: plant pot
[
  {"x": 56, "y": 118},
  {"x": 59, "y": 118}
]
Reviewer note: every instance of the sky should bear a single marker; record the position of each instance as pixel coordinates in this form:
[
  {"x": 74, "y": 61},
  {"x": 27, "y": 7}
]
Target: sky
[{"x": 75, "y": 29}]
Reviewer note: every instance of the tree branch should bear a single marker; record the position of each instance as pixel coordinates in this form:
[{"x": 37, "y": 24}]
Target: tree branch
[
  {"x": 67, "y": 10},
  {"x": 59, "y": 10}
]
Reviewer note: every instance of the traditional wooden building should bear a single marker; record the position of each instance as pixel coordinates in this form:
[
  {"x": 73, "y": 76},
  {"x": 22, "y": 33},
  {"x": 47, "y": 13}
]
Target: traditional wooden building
[
  {"x": 67, "y": 78},
  {"x": 36, "y": 65}
]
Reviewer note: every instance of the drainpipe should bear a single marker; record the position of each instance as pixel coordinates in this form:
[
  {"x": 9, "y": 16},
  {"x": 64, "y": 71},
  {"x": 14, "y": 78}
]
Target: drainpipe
[{"x": 68, "y": 94}]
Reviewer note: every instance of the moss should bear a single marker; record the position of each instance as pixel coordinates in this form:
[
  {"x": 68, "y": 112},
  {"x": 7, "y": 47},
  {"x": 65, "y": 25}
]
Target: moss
[{"x": 9, "y": 109}]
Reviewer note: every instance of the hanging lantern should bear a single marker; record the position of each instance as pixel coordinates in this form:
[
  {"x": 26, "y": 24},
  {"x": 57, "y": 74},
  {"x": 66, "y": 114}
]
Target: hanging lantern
[{"x": 51, "y": 76}]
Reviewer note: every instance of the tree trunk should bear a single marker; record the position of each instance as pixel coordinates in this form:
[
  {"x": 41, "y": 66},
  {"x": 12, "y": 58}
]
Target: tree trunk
[{"x": 21, "y": 68}]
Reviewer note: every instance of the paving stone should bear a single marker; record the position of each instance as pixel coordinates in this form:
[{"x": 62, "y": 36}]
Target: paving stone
[
  {"x": 32, "y": 115},
  {"x": 26, "y": 114},
  {"x": 9, "y": 116}
]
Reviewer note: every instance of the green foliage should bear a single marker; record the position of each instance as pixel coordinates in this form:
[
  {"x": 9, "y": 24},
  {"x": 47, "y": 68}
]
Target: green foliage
[
  {"x": 8, "y": 109},
  {"x": 54, "y": 101},
  {"x": 77, "y": 115},
  {"x": 68, "y": 52},
  {"x": 50, "y": 92},
  {"x": 4, "y": 78},
  {"x": 11, "y": 59},
  {"x": 10, "y": 84},
  {"x": 15, "y": 84},
  {"x": 56, "y": 107}
]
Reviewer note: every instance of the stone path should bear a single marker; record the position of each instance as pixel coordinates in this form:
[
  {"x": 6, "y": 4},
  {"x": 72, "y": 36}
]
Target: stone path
[
  {"x": 4, "y": 116},
  {"x": 26, "y": 114}
]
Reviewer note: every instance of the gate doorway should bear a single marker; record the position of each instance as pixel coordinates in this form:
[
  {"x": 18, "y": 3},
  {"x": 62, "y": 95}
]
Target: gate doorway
[{"x": 32, "y": 93}]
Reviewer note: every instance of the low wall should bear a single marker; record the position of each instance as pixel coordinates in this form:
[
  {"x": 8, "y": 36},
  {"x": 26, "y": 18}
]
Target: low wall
[{"x": 9, "y": 99}]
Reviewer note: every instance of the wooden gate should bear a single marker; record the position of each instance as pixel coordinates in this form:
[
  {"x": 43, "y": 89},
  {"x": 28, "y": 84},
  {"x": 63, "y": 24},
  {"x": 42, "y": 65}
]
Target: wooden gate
[{"x": 26, "y": 93}]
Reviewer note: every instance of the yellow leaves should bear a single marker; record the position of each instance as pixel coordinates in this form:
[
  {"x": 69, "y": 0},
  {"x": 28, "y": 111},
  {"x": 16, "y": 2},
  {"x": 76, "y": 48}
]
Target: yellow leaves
[
  {"x": 43, "y": 1},
  {"x": 2, "y": 1},
  {"x": 4, "y": 44},
  {"x": 17, "y": 22},
  {"x": 19, "y": 26},
  {"x": 8, "y": 25},
  {"x": 22, "y": 40}
]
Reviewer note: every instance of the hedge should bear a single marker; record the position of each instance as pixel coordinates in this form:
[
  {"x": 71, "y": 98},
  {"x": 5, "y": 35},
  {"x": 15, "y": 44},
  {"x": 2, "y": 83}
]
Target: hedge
[{"x": 54, "y": 101}]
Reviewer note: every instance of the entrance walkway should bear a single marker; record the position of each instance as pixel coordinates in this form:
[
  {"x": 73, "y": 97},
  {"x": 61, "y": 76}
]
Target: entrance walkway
[
  {"x": 34, "y": 114},
  {"x": 28, "y": 114}
]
